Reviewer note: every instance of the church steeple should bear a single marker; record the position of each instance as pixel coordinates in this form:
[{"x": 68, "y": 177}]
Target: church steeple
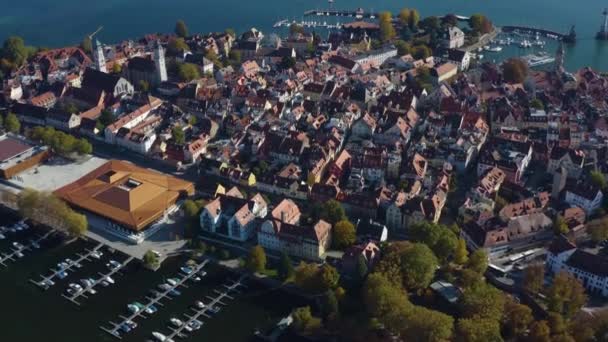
[
  {"x": 159, "y": 60},
  {"x": 99, "y": 58}
]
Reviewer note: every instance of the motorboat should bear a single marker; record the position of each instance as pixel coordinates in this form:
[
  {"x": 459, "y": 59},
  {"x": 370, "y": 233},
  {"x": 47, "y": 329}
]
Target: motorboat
[
  {"x": 19, "y": 254},
  {"x": 195, "y": 324},
  {"x": 172, "y": 281},
  {"x": 133, "y": 308},
  {"x": 151, "y": 309},
  {"x": 174, "y": 292},
  {"x": 495, "y": 49},
  {"x": 96, "y": 255},
  {"x": 18, "y": 245},
  {"x": 159, "y": 337},
  {"x": 113, "y": 264},
  {"x": 199, "y": 305},
  {"x": 176, "y": 322},
  {"x": 62, "y": 274},
  {"x": 35, "y": 244},
  {"x": 202, "y": 273},
  {"x": 164, "y": 287},
  {"x": 186, "y": 270},
  {"x": 2, "y": 237}
]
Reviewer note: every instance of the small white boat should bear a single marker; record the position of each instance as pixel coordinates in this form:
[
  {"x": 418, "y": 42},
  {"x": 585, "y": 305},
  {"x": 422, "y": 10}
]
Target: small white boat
[
  {"x": 176, "y": 322},
  {"x": 96, "y": 255},
  {"x": 172, "y": 281},
  {"x": 199, "y": 304},
  {"x": 2, "y": 237},
  {"x": 19, "y": 254},
  {"x": 133, "y": 308},
  {"x": 159, "y": 337}
]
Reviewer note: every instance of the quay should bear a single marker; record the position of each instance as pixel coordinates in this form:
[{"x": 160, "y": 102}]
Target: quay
[
  {"x": 73, "y": 298},
  {"x": 539, "y": 31},
  {"x": 213, "y": 302},
  {"x": 11, "y": 256},
  {"x": 115, "y": 327},
  {"x": 47, "y": 281},
  {"x": 307, "y": 24}
]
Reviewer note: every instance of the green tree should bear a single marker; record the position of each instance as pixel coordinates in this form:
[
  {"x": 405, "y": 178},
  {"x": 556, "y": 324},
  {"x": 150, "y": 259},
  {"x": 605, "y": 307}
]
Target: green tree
[
  {"x": 116, "y": 68},
  {"x": 517, "y": 319},
  {"x": 285, "y": 269},
  {"x": 231, "y": 32},
  {"x": 362, "y": 269},
  {"x": 332, "y": 212},
  {"x": 181, "y": 30},
  {"x": 12, "y": 124},
  {"x": 418, "y": 265},
  {"x": 344, "y": 234},
  {"x": 151, "y": 259},
  {"x": 423, "y": 324},
  {"x": 430, "y": 24},
  {"x": 482, "y": 301},
  {"x": 83, "y": 146},
  {"x": 14, "y": 51},
  {"x": 539, "y": 332},
  {"x": 387, "y": 31},
  {"x": 480, "y": 24},
  {"x": 304, "y": 321},
  {"x": 176, "y": 46},
  {"x": 288, "y": 62},
  {"x": 461, "y": 255},
  {"x": 403, "y": 48},
  {"x": 421, "y": 52},
  {"x": 442, "y": 241},
  {"x": 598, "y": 179},
  {"x": 328, "y": 277},
  {"x": 560, "y": 226},
  {"x": 478, "y": 330},
  {"x": 307, "y": 277},
  {"x": 404, "y": 17},
  {"x": 144, "y": 86},
  {"x": 514, "y": 70},
  {"x": 179, "y": 137},
  {"x": 86, "y": 45},
  {"x": 386, "y": 302},
  {"x": 478, "y": 261},
  {"x": 106, "y": 117},
  {"x": 191, "y": 209},
  {"x": 329, "y": 305},
  {"x": 534, "y": 277},
  {"x": 296, "y": 29},
  {"x": 566, "y": 295},
  {"x": 537, "y": 104},
  {"x": 188, "y": 72},
  {"x": 413, "y": 19},
  {"x": 450, "y": 20},
  {"x": 256, "y": 261}
]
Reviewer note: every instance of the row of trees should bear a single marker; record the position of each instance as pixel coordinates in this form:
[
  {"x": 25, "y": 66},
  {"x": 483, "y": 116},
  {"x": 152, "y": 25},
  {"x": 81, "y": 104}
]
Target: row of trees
[
  {"x": 48, "y": 209},
  {"x": 61, "y": 142}
]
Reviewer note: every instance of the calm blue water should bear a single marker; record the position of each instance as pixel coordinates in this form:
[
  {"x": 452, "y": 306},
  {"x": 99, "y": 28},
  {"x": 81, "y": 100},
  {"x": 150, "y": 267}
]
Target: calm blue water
[{"x": 62, "y": 22}]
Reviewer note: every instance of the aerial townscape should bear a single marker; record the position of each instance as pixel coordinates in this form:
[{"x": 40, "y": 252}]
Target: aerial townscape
[{"x": 379, "y": 177}]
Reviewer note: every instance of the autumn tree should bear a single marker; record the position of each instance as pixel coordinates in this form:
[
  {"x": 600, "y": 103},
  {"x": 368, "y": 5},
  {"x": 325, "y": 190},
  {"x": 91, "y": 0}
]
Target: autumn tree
[
  {"x": 514, "y": 70},
  {"x": 480, "y": 24},
  {"x": 598, "y": 230},
  {"x": 534, "y": 277},
  {"x": 256, "y": 261},
  {"x": 386, "y": 302},
  {"x": 303, "y": 320},
  {"x": 181, "y": 30},
  {"x": 87, "y": 45},
  {"x": 566, "y": 295},
  {"x": 176, "y": 46},
  {"x": 559, "y": 225},
  {"x": 387, "y": 30},
  {"x": 422, "y": 324},
  {"x": 344, "y": 234},
  {"x": 517, "y": 318},
  {"x": 332, "y": 212},
  {"x": 539, "y": 332},
  {"x": 403, "y": 48}
]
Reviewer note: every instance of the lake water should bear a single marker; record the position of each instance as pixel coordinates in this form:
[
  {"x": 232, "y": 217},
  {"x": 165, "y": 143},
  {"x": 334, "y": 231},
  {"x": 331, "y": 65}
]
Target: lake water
[{"x": 63, "y": 22}]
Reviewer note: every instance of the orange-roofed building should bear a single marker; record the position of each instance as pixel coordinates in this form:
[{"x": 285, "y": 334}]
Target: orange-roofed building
[{"x": 131, "y": 198}]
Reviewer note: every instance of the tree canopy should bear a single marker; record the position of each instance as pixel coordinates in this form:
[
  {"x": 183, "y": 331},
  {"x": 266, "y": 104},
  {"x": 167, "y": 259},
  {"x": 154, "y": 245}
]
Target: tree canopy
[
  {"x": 188, "y": 72},
  {"x": 285, "y": 269},
  {"x": 48, "y": 209},
  {"x": 256, "y": 261},
  {"x": 566, "y": 295},
  {"x": 514, "y": 70},
  {"x": 179, "y": 137},
  {"x": 440, "y": 239},
  {"x": 181, "y": 29},
  {"x": 11, "y": 123},
  {"x": 387, "y": 30},
  {"x": 344, "y": 234}
]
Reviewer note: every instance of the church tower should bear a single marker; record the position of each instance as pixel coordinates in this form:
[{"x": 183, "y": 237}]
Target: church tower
[
  {"x": 98, "y": 57},
  {"x": 159, "y": 60}
]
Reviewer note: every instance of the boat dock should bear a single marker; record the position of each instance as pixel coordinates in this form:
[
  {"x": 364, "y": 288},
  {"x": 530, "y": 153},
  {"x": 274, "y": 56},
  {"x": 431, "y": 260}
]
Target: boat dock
[
  {"x": 102, "y": 277},
  {"x": 115, "y": 327},
  {"x": 359, "y": 13},
  {"x": 47, "y": 281},
  {"x": 213, "y": 302},
  {"x": 307, "y": 24},
  {"x": 17, "y": 250}
]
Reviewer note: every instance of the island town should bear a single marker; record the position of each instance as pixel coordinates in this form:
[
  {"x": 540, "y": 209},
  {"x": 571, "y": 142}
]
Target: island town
[{"x": 382, "y": 170}]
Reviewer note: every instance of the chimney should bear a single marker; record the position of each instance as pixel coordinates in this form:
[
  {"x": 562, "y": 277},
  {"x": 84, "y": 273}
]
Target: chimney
[{"x": 282, "y": 216}]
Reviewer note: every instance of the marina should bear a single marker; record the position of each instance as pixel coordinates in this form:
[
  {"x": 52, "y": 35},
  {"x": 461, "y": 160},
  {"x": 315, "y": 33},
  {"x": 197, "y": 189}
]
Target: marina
[
  {"x": 103, "y": 278},
  {"x": 211, "y": 306},
  {"x": 307, "y": 24},
  {"x": 61, "y": 271},
  {"x": 18, "y": 249},
  {"x": 138, "y": 310}
]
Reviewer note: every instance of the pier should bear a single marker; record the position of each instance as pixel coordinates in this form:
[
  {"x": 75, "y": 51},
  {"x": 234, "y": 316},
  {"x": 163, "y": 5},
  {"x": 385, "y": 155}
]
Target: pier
[
  {"x": 11, "y": 256},
  {"x": 534, "y": 31},
  {"x": 47, "y": 281},
  {"x": 209, "y": 306},
  {"x": 307, "y": 24},
  {"x": 115, "y": 327},
  {"x": 102, "y": 277}
]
